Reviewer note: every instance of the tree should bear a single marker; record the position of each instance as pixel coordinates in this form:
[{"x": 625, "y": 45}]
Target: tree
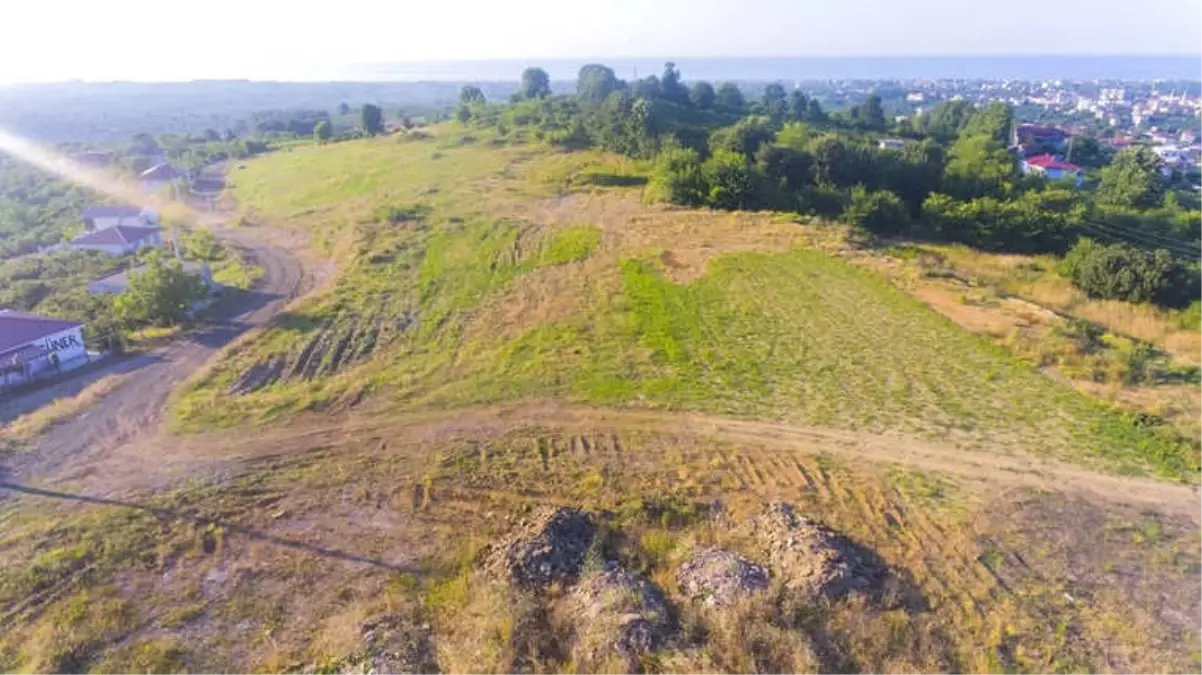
[
  {"x": 1121, "y": 272},
  {"x": 702, "y": 95},
  {"x": 774, "y": 102},
  {"x": 730, "y": 97},
  {"x": 677, "y": 177},
  {"x": 870, "y": 114},
  {"x": 371, "y": 119},
  {"x": 648, "y": 87},
  {"x": 1133, "y": 179},
  {"x": 535, "y": 84},
  {"x": 945, "y": 120},
  {"x": 1086, "y": 151},
  {"x": 595, "y": 83},
  {"x": 731, "y": 180},
  {"x": 322, "y": 131},
  {"x": 672, "y": 88},
  {"x": 993, "y": 121},
  {"x": 979, "y": 166},
  {"x": 814, "y": 112},
  {"x": 786, "y": 172},
  {"x": 344, "y": 109},
  {"x": 162, "y": 294},
  {"x": 744, "y": 137},
  {"x": 797, "y": 105},
  {"x": 144, "y": 144},
  {"x": 878, "y": 213},
  {"x": 471, "y": 95}
]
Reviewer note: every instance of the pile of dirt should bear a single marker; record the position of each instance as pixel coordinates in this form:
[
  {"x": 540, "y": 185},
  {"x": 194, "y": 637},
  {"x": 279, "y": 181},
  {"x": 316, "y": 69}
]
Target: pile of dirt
[
  {"x": 617, "y": 615},
  {"x": 813, "y": 558},
  {"x": 392, "y": 644},
  {"x": 549, "y": 547},
  {"x": 717, "y": 577}
]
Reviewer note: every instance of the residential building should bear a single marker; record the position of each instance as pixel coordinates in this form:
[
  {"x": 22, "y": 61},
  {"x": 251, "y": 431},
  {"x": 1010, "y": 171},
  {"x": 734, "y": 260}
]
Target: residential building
[
  {"x": 118, "y": 240},
  {"x": 33, "y": 346},
  {"x": 891, "y": 144},
  {"x": 103, "y": 217},
  {"x": 1052, "y": 168},
  {"x": 154, "y": 179},
  {"x": 118, "y": 283},
  {"x": 1034, "y": 135}
]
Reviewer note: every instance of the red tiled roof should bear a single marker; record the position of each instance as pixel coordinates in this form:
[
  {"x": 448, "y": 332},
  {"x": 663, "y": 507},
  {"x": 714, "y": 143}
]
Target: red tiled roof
[
  {"x": 17, "y": 329},
  {"x": 115, "y": 236},
  {"x": 1050, "y": 162}
]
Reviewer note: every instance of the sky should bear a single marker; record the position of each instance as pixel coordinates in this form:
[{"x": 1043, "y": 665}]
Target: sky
[{"x": 267, "y": 39}]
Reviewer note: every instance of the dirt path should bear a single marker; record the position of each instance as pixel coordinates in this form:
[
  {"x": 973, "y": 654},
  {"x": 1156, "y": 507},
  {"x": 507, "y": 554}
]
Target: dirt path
[
  {"x": 135, "y": 408},
  {"x": 984, "y": 473}
]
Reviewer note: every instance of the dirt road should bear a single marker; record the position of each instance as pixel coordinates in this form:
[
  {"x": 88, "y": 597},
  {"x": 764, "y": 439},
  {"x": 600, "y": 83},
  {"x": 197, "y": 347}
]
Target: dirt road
[{"x": 135, "y": 407}]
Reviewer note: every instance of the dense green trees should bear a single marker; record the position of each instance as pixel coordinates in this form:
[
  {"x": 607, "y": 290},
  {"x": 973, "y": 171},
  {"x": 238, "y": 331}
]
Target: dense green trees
[
  {"x": 869, "y": 115},
  {"x": 535, "y": 84},
  {"x": 1133, "y": 179},
  {"x": 371, "y": 119},
  {"x": 470, "y": 94},
  {"x": 774, "y": 103},
  {"x": 979, "y": 166}
]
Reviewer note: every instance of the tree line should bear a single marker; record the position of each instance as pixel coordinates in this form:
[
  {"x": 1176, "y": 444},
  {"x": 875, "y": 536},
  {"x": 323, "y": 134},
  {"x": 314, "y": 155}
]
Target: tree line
[{"x": 951, "y": 177}]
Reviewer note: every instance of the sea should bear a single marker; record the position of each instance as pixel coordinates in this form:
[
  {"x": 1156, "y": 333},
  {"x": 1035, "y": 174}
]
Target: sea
[{"x": 1057, "y": 67}]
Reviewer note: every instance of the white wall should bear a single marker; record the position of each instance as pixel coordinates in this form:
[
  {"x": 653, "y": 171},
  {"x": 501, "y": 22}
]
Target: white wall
[
  {"x": 111, "y": 249},
  {"x": 147, "y": 218},
  {"x": 67, "y": 344}
]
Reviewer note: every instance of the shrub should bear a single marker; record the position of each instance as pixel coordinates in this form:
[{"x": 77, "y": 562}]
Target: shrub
[
  {"x": 1121, "y": 272},
  {"x": 730, "y": 179},
  {"x": 677, "y": 178},
  {"x": 879, "y": 213}
]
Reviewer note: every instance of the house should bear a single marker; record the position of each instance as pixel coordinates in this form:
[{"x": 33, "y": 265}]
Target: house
[
  {"x": 32, "y": 346},
  {"x": 117, "y": 283},
  {"x": 156, "y": 177},
  {"x": 103, "y": 217},
  {"x": 1052, "y": 168},
  {"x": 1048, "y": 138},
  {"x": 891, "y": 144},
  {"x": 118, "y": 240}
]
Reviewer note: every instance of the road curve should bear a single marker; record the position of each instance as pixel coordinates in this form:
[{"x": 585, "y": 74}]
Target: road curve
[{"x": 135, "y": 408}]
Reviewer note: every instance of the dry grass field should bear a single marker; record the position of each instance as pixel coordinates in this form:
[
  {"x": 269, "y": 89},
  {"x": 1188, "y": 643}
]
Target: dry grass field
[{"x": 511, "y": 328}]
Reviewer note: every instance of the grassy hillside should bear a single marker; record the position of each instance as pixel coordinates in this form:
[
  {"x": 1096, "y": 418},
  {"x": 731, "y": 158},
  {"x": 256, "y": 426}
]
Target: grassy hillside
[{"x": 480, "y": 272}]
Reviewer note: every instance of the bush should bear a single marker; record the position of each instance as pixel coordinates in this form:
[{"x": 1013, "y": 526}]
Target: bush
[
  {"x": 879, "y": 213},
  {"x": 1121, "y": 272},
  {"x": 730, "y": 179},
  {"x": 677, "y": 178}
]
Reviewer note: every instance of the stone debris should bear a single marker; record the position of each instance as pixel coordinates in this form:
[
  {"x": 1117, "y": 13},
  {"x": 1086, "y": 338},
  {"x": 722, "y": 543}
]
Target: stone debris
[
  {"x": 717, "y": 577},
  {"x": 813, "y": 558},
  {"x": 617, "y": 615},
  {"x": 548, "y": 547}
]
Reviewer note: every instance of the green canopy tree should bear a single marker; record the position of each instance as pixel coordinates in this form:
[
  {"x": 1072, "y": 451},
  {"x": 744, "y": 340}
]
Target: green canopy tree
[
  {"x": 671, "y": 86},
  {"x": 993, "y": 121},
  {"x": 730, "y": 97},
  {"x": 161, "y": 294},
  {"x": 702, "y": 95},
  {"x": 774, "y": 102},
  {"x": 1133, "y": 179},
  {"x": 535, "y": 84},
  {"x": 371, "y": 119},
  {"x": 322, "y": 131},
  {"x": 470, "y": 94},
  {"x": 595, "y": 83}
]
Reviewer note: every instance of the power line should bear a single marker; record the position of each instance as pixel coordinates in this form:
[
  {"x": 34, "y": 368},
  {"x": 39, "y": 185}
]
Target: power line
[
  {"x": 1179, "y": 247},
  {"x": 1148, "y": 234}
]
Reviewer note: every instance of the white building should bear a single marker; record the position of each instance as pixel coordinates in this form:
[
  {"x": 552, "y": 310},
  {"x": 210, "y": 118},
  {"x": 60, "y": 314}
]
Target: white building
[
  {"x": 118, "y": 240},
  {"x": 103, "y": 217},
  {"x": 891, "y": 144},
  {"x": 32, "y": 346}
]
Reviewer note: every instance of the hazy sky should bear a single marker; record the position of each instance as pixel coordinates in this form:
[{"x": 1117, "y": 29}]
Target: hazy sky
[{"x": 260, "y": 39}]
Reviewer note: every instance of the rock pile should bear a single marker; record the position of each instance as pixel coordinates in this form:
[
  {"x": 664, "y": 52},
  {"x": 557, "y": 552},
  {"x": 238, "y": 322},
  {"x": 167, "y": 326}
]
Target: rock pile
[
  {"x": 717, "y": 577},
  {"x": 549, "y": 547},
  {"x": 617, "y": 613},
  {"x": 813, "y": 558}
]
